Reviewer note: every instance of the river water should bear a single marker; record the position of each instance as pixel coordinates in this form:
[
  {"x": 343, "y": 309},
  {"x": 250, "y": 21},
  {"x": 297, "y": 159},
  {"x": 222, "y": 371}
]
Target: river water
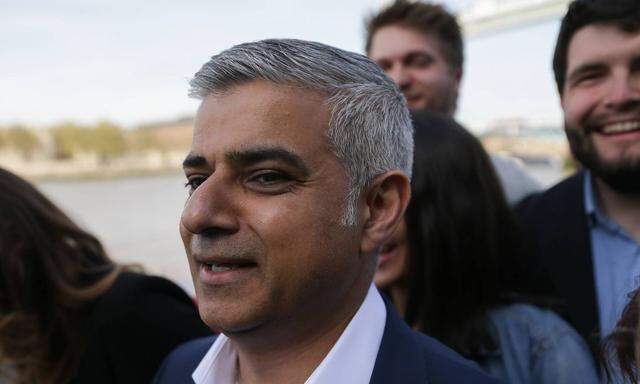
[{"x": 137, "y": 218}]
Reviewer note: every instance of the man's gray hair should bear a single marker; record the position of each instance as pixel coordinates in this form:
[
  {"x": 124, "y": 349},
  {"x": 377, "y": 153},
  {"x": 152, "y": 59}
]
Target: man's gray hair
[{"x": 370, "y": 130}]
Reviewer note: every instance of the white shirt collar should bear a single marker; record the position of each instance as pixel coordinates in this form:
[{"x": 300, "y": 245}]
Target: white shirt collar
[{"x": 350, "y": 360}]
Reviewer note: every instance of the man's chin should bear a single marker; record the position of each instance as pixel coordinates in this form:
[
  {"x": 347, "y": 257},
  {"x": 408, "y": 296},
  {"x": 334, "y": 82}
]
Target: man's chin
[
  {"x": 417, "y": 104},
  {"x": 622, "y": 179},
  {"x": 433, "y": 106},
  {"x": 227, "y": 322},
  {"x": 622, "y": 176}
]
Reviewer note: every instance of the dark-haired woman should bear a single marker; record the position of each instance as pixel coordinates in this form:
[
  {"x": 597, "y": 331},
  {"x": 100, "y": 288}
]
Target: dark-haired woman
[
  {"x": 69, "y": 314},
  {"x": 443, "y": 268}
]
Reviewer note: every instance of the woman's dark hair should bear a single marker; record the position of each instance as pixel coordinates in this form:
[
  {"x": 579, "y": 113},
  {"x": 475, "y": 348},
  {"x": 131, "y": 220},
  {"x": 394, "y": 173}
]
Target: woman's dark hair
[
  {"x": 49, "y": 268},
  {"x": 621, "y": 349},
  {"x": 624, "y": 14},
  {"x": 460, "y": 231}
]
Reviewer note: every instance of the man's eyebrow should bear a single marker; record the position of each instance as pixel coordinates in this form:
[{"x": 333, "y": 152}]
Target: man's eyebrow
[
  {"x": 192, "y": 161},
  {"x": 256, "y": 155},
  {"x": 585, "y": 68},
  {"x": 418, "y": 53}
]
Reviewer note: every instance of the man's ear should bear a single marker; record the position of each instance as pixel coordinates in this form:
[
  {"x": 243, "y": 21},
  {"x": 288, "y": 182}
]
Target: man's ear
[{"x": 386, "y": 200}]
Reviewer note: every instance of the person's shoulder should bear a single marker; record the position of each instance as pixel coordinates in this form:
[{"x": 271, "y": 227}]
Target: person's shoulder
[
  {"x": 145, "y": 305},
  {"x": 134, "y": 325},
  {"x": 508, "y": 165},
  {"x": 131, "y": 289},
  {"x": 516, "y": 181},
  {"x": 418, "y": 358},
  {"x": 132, "y": 283},
  {"x": 556, "y": 196},
  {"x": 543, "y": 328},
  {"x": 182, "y": 361},
  {"x": 444, "y": 365},
  {"x": 525, "y": 315},
  {"x": 539, "y": 339}
]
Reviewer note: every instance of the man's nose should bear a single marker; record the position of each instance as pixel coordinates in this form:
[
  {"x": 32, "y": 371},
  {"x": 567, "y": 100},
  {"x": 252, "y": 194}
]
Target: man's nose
[
  {"x": 210, "y": 209},
  {"x": 624, "y": 92},
  {"x": 399, "y": 74}
]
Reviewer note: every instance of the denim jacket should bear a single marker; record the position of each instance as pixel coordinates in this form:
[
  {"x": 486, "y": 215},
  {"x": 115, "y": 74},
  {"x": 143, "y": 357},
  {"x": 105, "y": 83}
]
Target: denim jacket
[{"x": 536, "y": 346}]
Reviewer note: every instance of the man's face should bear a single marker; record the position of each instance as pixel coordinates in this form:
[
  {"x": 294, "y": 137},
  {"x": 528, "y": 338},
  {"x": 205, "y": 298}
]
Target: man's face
[
  {"x": 601, "y": 102},
  {"x": 415, "y": 63},
  {"x": 262, "y": 224}
]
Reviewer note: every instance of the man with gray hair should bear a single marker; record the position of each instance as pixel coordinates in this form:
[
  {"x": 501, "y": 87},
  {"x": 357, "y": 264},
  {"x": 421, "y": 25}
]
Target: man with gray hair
[{"x": 298, "y": 172}]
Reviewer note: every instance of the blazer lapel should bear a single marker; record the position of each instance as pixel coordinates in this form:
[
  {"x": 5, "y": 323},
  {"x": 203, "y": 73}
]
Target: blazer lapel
[
  {"x": 400, "y": 357},
  {"x": 569, "y": 248}
]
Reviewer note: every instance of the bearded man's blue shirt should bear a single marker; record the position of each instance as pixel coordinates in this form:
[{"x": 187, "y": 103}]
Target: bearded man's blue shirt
[{"x": 616, "y": 260}]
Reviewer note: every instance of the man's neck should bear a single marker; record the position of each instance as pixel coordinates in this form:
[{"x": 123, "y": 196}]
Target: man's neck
[
  {"x": 622, "y": 209},
  {"x": 289, "y": 354}
]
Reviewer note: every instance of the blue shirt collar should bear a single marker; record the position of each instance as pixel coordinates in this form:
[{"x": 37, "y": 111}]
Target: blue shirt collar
[
  {"x": 596, "y": 217},
  {"x": 591, "y": 207}
]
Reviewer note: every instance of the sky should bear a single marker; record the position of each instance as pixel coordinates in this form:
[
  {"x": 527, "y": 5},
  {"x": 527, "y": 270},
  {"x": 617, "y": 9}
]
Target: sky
[{"x": 129, "y": 61}]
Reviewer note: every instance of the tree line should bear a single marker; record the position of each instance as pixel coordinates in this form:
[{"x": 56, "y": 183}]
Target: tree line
[{"x": 66, "y": 140}]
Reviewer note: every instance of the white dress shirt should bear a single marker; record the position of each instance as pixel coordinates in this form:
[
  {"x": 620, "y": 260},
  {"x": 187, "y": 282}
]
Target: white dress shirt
[{"x": 350, "y": 360}]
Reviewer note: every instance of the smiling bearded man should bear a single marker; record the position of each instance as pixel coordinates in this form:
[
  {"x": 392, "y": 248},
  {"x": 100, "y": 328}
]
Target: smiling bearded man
[
  {"x": 584, "y": 233},
  {"x": 298, "y": 172}
]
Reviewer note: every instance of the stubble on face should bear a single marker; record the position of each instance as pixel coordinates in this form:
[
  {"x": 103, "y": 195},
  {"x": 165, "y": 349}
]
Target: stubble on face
[
  {"x": 601, "y": 97},
  {"x": 623, "y": 175}
]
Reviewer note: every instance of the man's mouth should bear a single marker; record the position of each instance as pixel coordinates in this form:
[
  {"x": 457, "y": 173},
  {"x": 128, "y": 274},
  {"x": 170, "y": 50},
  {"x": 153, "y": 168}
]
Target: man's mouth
[
  {"x": 386, "y": 253},
  {"x": 412, "y": 98},
  {"x": 224, "y": 272},
  {"x": 223, "y": 267},
  {"x": 619, "y": 128},
  {"x": 388, "y": 247}
]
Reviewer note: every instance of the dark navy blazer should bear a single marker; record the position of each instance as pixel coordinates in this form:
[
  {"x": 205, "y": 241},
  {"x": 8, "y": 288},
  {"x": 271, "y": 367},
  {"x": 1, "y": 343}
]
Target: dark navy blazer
[
  {"x": 405, "y": 356},
  {"x": 557, "y": 256}
]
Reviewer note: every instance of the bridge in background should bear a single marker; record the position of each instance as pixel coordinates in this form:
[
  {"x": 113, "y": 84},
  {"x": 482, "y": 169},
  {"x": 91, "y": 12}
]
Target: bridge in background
[
  {"x": 536, "y": 143},
  {"x": 487, "y": 16}
]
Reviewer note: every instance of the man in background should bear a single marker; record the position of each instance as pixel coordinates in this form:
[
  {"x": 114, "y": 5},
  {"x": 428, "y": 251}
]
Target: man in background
[
  {"x": 584, "y": 233},
  {"x": 419, "y": 45}
]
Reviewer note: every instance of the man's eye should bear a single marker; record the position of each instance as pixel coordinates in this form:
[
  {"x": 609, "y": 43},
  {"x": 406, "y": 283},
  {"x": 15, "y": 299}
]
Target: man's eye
[
  {"x": 270, "y": 182},
  {"x": 385, "y": 65},
  {"x": 269, "y": 178},
  {"x": 419, "y": 60},
  {"x": 587, "y": 78},
  {"x": 193, "y": 183}
]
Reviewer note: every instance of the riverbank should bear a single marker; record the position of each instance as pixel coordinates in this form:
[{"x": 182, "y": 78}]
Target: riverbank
[
  {"x": 91, "y": 167},
  {"x": 107, "y": 175}
]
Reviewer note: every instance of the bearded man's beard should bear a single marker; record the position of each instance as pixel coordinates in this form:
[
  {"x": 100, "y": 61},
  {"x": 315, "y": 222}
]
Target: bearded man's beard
[{"x": 622, "y": 176}]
